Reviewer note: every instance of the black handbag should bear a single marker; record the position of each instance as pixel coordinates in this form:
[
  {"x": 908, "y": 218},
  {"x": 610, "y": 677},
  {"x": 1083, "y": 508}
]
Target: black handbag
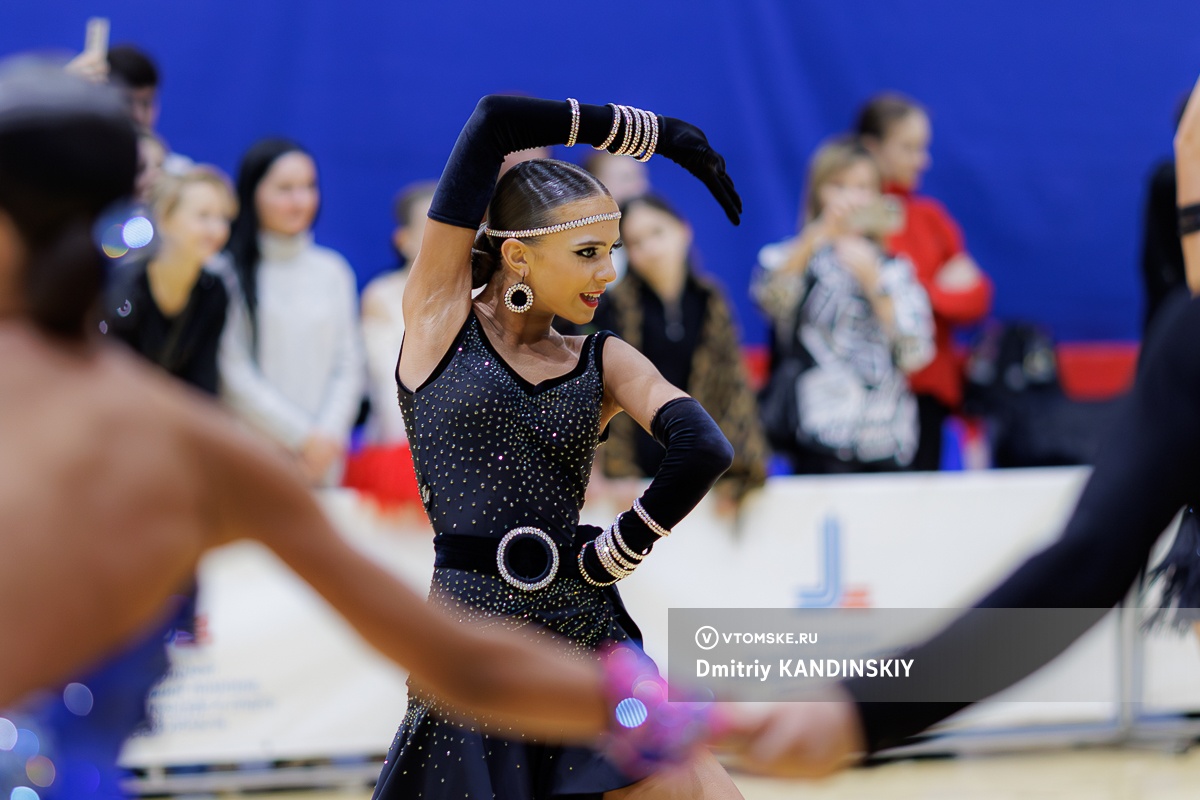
[{"x": 778, "y": 400}]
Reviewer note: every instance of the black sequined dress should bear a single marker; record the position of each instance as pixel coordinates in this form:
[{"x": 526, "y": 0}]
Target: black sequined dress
[{"x": 493, "y": 452}]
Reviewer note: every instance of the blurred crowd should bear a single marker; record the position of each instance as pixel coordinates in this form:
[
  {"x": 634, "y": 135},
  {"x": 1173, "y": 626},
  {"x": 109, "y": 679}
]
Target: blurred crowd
[{"x": 866, "y": 303}]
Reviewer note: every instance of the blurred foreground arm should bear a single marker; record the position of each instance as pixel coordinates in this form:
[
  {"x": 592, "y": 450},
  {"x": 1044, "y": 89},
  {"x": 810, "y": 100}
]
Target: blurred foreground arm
[{"x": 531, "y": 686}]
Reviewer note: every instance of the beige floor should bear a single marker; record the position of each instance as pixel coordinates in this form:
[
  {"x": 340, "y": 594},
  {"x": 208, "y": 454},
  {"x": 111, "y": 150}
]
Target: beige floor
[{"x": 1083, "y": 775}]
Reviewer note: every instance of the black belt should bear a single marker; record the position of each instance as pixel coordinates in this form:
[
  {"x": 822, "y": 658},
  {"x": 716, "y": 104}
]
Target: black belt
[{"x": 525, "y": 558}]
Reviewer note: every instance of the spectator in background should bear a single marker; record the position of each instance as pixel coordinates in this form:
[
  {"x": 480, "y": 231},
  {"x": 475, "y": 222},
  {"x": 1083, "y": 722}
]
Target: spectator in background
[
  {"x": 682, "y": 323},
  {"x": 291, "y": 360},
  {"x": 625, "y": 179},
  {"x": 383, "y": 314},
  {"x": 133, "y": 69},
  {"x": 171, "y": 308},
  {"x": 512, "y": 159},
  {"x": 896, "y": 130},
  {"x": 1162, "y": 255},
  {"x": 152, "y": 154},
  {"x": 853, "y": 321}
]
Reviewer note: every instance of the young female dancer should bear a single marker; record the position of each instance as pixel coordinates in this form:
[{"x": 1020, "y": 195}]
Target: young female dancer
[{"x": 504, "y": 414}]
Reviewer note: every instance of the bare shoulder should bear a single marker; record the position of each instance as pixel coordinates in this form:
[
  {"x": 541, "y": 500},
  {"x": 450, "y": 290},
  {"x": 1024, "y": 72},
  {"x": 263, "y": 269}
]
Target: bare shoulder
[{"x": 621, "y": 358}]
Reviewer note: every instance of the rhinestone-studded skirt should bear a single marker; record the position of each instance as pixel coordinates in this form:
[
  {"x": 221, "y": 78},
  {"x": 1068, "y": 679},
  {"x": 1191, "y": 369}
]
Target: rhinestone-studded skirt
[{"x": 432, "y": 757}]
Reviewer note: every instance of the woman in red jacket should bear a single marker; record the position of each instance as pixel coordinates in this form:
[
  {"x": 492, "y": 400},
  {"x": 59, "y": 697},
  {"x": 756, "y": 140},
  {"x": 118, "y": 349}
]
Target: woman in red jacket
[{"x": 897, "y": 132}]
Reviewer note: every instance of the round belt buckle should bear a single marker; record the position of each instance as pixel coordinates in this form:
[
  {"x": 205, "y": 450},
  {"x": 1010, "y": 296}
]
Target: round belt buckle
[{"x": 536, "y": 582}]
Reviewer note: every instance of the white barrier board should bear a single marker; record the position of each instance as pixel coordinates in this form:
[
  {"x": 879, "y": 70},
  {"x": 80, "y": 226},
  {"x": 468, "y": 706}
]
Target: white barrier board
[{"x": 281, "y": 677}]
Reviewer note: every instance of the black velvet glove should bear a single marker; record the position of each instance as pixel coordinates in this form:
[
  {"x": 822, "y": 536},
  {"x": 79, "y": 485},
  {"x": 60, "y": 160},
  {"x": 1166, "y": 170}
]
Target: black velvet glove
[
  {"x": 503, "y": 125},
  {"x": 687, "y": 146},
  {"x": 697, "y": 453},
  {"x": 590, "y": 563}
]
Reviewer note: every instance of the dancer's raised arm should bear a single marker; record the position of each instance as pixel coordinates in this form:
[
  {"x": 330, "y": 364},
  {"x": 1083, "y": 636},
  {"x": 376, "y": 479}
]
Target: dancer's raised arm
[{"x": 437, "y": 296}]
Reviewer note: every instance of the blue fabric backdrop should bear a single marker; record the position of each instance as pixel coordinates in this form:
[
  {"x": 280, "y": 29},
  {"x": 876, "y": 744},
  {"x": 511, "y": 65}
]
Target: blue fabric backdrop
[{"x": 1047, "y": 115}]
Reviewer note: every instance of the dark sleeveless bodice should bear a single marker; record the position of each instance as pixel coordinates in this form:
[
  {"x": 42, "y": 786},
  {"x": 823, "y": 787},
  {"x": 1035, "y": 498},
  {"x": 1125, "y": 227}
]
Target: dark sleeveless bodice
[{"x": 493, "y": 452}]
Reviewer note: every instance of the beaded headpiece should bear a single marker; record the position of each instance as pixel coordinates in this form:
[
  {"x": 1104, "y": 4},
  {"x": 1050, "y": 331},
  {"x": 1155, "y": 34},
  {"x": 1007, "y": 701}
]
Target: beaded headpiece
[{"x": 549, "y": 229}]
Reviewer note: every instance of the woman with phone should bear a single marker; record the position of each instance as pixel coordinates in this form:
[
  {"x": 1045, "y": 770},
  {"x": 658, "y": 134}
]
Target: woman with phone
[
  {"x": 851, "y": 322},
  {"x": 896, "y": 130}
]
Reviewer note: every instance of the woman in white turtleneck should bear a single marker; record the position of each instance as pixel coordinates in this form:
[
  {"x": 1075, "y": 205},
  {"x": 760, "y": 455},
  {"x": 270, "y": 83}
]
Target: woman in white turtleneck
[{"x": 291, "y": 361}]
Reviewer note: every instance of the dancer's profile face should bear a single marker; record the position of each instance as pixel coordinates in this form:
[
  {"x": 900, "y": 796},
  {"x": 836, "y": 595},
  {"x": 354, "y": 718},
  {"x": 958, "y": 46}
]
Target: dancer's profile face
[
  {"x": 198, "y": 227},
  {"x": 657, "y": 241},
  {"x": 568, "y": 271},
  {"x": 903, "y": 153},
  {"x": 287, "y": 197}
]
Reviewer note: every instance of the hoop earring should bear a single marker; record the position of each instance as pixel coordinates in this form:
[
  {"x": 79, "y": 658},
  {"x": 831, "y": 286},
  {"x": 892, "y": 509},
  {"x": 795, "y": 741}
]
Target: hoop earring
[{"x": 519, "y": 298}]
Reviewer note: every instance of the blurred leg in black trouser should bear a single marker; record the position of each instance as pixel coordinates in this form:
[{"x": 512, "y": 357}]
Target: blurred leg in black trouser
[{"x": 931, "y": 413}]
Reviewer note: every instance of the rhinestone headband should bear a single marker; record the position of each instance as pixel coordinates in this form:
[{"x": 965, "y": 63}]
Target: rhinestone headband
[{"x": 559, "y": 228}]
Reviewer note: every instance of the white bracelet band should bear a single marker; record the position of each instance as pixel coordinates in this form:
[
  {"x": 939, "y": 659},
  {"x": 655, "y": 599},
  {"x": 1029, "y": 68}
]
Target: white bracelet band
[{"x": 650, "y": 523}]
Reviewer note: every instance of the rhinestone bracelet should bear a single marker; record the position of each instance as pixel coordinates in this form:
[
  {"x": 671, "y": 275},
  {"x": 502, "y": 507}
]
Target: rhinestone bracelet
[
  {"x": 583, "y": 570},
  {"x": 627, "y": 115},
  {"x": 650, "y": 523},
  {"x": 641, "y": 133},
  {"x": 653, "y": 140},
  {"x": 609, "y": 563},
  {"x": 605, "y": 540},
  {"x": 612, "y": 135},
  {"x": 628, "y": 551},
  {"x": 574, "y": 135}
]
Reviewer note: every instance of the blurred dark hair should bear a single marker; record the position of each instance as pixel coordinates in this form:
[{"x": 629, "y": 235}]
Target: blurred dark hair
[
  {"x": 883, "y": 111},
  {"x": 527, "y": 197},
  {"x": 68, "y": 151},
  {"x": 243, "y": 235},
  {"x": 657, "y": 202},
  {"x": 132, "y": 67}
]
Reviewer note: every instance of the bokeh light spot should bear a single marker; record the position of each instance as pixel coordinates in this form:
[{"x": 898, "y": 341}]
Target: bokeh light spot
[
  {"x": 27, "y": 745},
  {"x": 78, "y": 699},
  {"x": 40, "y": 771},
  {"x": 631, "y": 712},
  {"x": 137, "y": 232},
  {"x": 8, "y": 734},
  {"x": 112, "y": 241},
  {"x": 23, "y": 793}
]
